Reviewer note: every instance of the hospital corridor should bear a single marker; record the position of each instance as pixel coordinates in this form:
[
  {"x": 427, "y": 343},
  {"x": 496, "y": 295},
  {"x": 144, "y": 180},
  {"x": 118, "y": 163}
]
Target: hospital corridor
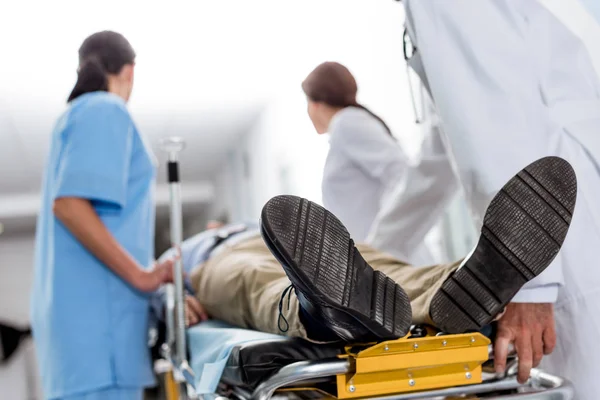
[{"x": 342, "y": 199}]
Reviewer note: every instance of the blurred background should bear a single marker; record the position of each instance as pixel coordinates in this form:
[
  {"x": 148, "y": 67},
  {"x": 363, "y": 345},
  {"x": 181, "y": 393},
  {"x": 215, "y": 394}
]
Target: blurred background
[{"x": 225, "y": 76}]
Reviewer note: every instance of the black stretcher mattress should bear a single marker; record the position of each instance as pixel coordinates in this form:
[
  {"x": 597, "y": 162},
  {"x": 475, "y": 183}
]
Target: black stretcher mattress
[{"x": 251, "y": 363}]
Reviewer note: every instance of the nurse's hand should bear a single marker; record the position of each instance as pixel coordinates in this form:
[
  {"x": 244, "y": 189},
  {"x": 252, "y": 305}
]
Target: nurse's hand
[
  {"x": 530, "y": 326},
  {"x": 151, "y": 279},
  {"x": 194, "y": 312}
]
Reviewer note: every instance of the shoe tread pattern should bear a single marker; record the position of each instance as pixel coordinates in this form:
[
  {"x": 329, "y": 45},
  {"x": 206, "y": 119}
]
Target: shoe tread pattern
[
  {"x": 323, "y": 250},
  {"x": 524, "y": 228}
]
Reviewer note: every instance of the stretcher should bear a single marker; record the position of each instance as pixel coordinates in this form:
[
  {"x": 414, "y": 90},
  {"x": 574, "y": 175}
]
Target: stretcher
[
  {"x": 248, "y": 365},
  {"x": 251, "y": 365}
]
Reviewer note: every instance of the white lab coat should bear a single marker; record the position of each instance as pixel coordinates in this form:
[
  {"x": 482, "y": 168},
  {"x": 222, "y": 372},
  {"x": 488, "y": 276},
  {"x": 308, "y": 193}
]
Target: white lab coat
[
  {"x": 364, "y": 165},
  {"x": 418, "y": 200},
  {"x": 512, "y": 84}
]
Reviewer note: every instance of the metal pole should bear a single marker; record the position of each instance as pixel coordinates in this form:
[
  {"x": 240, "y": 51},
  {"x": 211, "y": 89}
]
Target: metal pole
[{"x": 173, "y": 146}]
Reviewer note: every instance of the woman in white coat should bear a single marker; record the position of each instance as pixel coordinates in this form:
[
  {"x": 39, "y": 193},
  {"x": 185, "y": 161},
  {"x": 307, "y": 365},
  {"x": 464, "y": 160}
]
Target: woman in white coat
[
  {"x": 512, "y": 84},
  {"x": 365, "y": 164}
]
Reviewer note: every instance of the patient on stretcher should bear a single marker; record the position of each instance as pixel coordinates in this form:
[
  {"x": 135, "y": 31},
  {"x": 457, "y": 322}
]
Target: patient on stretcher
[{"x": 300, "y": 274}]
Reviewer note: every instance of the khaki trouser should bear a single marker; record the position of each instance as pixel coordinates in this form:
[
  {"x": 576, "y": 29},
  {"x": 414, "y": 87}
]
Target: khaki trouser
[{"x": 243, "y": 286}]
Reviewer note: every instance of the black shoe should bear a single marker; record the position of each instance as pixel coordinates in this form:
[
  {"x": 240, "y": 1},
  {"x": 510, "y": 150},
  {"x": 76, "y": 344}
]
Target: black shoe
[
  {"x": 10, "y": 341},
  {"x": 333, "y": 283},
  {"x": 523, "y": 230}
]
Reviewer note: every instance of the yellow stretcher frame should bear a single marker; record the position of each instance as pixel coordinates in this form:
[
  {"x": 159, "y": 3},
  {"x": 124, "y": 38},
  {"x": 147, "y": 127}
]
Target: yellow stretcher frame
[
  {"x": 172, "y": 389},
  {"x": 447, "y": 366},
  {"x": 409, "y": 365}
]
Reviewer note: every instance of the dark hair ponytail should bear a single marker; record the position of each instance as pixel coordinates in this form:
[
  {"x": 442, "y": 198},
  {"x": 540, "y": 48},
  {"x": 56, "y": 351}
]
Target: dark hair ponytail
[
  {"x": 101, "y": 54},
  {"x": 377, "y": 117},
  {"x": 334, "y": 85},
  {"x": 91, "y": 77}
]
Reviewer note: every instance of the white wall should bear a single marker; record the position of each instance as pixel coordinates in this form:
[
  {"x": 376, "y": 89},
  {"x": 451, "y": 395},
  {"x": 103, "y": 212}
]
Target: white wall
[
  {"x": 286, "y": 155},
  {"x": 16, "y": 272},
  {"x": 18, "y": 377},
  {"x": 226, "y": 189},
  {"x": 281, "y": 154}
]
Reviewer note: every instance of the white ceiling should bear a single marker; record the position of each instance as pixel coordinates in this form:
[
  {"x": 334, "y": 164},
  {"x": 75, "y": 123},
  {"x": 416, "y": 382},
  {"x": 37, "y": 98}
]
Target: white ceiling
[
  {"x": 208, "y": 134},
  {"x": 205, "y": 70}
]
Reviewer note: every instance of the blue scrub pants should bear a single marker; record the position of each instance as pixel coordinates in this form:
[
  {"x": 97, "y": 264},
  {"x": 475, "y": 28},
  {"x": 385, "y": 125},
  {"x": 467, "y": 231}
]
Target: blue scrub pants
[{"x": 112, "y": 393}]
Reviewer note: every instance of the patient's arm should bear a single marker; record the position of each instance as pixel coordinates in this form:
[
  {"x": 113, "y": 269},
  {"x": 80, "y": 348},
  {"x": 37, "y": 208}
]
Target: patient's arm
[
  {"x": 194, "y": 311},
  {"x": 158, "y": 299}
]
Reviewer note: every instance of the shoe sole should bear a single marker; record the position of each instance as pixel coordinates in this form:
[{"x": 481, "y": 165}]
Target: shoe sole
[
  {"x": 320, "y": 259},
  {"x": 523, "y": 230}
]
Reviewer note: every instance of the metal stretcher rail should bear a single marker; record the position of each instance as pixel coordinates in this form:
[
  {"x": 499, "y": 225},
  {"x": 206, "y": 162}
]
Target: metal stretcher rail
[{"x": 540, "y": 386}]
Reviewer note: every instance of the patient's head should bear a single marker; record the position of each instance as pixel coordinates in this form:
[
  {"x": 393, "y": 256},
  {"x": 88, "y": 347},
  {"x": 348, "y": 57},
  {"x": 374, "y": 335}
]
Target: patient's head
[
  {"x": 328, "y": 88},
  {"x": 214, "y": 224}
]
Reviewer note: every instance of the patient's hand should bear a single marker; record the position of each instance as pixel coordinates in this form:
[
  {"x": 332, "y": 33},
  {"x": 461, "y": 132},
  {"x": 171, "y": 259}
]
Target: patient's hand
[
  {"x": 194, "y": 312},
  {"x": 531, "y": 327}
]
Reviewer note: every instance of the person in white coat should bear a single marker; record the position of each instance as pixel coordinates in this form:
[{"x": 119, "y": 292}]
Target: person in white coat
[
  {"x": 365, "y": 164},
  {"x": 510, "y": 84}
]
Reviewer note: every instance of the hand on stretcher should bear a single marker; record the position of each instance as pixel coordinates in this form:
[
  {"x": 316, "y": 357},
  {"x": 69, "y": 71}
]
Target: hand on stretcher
[
  {"x": 530, "y": 326},
  {"x": 151, "y": 279},
  {"x": 194, "y": 311}
]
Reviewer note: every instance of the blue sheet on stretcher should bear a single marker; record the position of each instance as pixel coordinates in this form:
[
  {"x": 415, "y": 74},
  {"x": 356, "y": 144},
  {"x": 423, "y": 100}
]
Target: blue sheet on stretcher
[{"x": 210, "y": 344}]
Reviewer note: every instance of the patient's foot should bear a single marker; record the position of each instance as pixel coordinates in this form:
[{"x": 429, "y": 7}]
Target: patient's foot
[
  {"x": 334, "y": 284},
  {"x": 523, "y": 230}
]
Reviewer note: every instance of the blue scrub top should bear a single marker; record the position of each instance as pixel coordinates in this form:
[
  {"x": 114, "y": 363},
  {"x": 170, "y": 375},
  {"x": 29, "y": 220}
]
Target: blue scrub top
[{"x": 90, "y": 326}]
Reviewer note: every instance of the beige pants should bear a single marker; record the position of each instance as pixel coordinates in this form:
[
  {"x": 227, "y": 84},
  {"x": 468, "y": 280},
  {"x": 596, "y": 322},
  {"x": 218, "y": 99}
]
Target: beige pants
[{"x": 243, "y": 285}]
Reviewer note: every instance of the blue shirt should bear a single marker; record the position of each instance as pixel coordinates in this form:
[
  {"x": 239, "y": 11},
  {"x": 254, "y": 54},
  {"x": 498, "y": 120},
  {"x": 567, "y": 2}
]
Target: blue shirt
[
  {"x": 89, "y": 325},
  {"x": 198, "y": 249}
]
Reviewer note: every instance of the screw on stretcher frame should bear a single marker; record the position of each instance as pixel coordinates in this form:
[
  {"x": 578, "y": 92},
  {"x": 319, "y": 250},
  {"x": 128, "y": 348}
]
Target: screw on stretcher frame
[{"x": 175, "y": 349}]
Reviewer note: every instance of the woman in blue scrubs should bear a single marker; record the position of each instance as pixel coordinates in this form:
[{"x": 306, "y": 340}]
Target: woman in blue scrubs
[{"x": 94, "y": 244}]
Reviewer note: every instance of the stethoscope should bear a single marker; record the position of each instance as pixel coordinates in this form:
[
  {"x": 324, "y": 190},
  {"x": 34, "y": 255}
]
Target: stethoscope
[{"x": 409, "y": 50}]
